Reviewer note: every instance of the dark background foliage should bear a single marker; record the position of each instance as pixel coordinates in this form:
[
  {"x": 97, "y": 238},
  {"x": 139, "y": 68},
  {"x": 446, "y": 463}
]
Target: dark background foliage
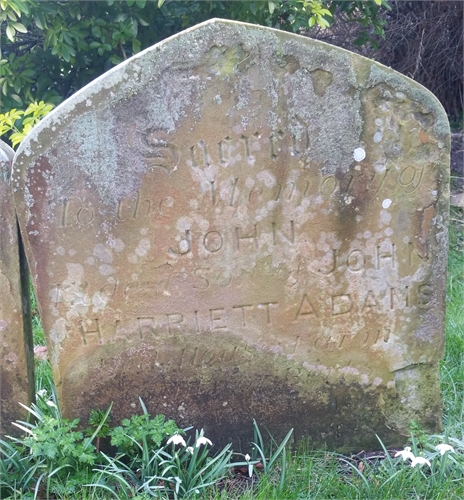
[{"x": 423, "y": 40}]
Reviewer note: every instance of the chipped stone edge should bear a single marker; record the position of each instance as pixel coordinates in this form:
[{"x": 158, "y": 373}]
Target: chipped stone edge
[{"x": 417, "y": 92}]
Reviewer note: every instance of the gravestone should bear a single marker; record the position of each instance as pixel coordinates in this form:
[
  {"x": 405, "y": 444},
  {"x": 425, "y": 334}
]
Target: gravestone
[
  {"x": 16, "y": 366},
  {"x": 243, "y": 223}
]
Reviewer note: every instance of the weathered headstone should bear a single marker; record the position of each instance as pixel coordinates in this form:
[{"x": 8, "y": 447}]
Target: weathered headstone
[
  {"x": 242, "y": 223},
  {"x": 16, "y": 358}
]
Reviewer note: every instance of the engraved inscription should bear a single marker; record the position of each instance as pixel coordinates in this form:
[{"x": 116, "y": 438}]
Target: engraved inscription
[
  {"x": 213, "y": 241},
  {"x": 310, "y": 308},
  {"x": 410, "y": 178},
  {"x": 305, "y": 308},
  {"x": 87, "y": 333},
  {"x": 160, "y": 153}
]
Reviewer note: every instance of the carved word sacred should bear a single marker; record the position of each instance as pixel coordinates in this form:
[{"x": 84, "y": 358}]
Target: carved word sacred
[{"x": 241, "y": 223}]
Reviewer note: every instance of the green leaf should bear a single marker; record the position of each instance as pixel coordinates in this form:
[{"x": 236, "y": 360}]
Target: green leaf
[
  {"x": 19, "y": 27},
  {"x": 135, "y": 46},
  {"x": 11, "y": 15},
  {"x": 16, "y": 138},
  {"x": 142, "y": 21},
  {"x": 16, "y": 98},
  {"x": 17, "y": 86},
  {"x": 39, "y": 20},
  {"x": 65, "y": 53},
  {"x": 28, "y": 73},
  {"x": 10, "y": 32},
  {"x": 120, "y": 18},
  {"x": 114, "y": 59},
  {"x": 133, "y": 27},
  {"x": 96, "y": 31},
  {"x": 323, "y": 23},
  {"x": 20, "y": 6},
  {"x": 67, "y": 38},
  {"x": 160, "y": 3}
]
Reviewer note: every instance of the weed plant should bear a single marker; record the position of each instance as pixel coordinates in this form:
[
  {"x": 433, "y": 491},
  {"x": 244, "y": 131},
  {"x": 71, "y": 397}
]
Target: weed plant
[
  {"x": 153, "y": 460},
  {"x": 38, "y": 336}
]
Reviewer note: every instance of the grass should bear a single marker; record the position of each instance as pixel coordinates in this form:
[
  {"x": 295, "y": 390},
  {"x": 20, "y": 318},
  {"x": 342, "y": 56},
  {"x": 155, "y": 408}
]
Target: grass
[
  {"x": 308, "y": 474},
  {"x": 452, "y": 366}
]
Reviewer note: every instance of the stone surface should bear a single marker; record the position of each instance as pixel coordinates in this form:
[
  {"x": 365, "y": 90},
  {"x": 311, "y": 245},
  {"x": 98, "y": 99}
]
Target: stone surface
[
  {"x": 242, "y": 223},
  {"x": 14, "y": 356}
]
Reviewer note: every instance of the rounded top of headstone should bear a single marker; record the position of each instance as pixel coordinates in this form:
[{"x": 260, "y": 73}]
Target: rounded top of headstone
[
  {"x": 169, "y": 76},
  {"x": 187, "y": 49}
]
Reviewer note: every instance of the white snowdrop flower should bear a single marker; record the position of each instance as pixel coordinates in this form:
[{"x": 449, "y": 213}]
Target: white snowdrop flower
[
  {"x": 51, "y": 403},
  {"x": 189, "y": 449},
  {"x": 177, "y": 439},
  {"x": 42, "y": 392},
  {"x": 419, "y": 461},
  {"x": 443, "y": 448},
  {"x": 247, "y": 457},
  {"x": 202, "y": 440},
  {"x": 405, "y": 454}
]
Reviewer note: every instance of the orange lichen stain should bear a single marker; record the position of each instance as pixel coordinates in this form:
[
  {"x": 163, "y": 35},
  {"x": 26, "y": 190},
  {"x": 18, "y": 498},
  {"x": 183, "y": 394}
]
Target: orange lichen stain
[{"x": 424, "y": 137}]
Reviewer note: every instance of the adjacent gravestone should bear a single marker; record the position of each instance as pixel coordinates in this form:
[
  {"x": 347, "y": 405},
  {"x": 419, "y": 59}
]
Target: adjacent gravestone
[
  {"x": 242, "y": 223},
  {"x": 16, "y": 366}
]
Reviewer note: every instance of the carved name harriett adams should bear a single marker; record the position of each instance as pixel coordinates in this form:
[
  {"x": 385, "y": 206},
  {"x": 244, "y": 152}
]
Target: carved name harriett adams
[{"x": 313, "y": 308}]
